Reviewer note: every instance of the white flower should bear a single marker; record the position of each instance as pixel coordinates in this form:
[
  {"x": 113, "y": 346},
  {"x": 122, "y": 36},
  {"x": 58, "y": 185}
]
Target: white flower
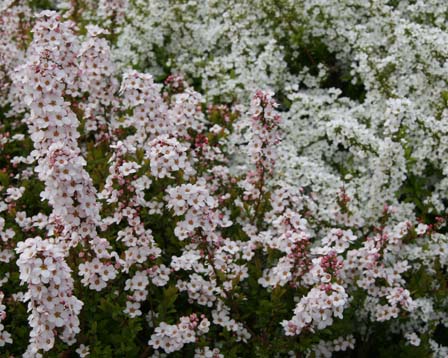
[{"x": 83, "y": 351}]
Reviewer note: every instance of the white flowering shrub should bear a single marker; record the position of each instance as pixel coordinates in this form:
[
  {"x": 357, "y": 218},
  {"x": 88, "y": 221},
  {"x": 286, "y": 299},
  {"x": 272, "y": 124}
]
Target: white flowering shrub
[{"x": 223, "y": 179}]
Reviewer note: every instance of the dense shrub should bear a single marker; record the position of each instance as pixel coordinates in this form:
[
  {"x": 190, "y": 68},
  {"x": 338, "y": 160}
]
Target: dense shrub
[{"x": 223, "y": 179}]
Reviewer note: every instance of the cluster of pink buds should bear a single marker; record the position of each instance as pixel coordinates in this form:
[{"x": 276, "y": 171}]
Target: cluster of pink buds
[
  {"x": 265, "y": 132},
  {"x": 175, "y": 83},
  {"x": 331, "y": 264}
]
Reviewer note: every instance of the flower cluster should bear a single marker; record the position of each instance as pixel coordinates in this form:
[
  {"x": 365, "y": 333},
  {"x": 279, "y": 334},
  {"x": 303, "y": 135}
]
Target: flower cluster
[
  {"x": 265, "y": 137},
  {"x": 50, "y": 294},
  {"x": 273, "y": 187},
  {"x": 167, "y": 155},
  {"x": 97, "y": 70},
  {"x": 48, "y": 77},
  {"x": 317, "y": 309},
  {"x": 149, "y": 111},
  {"x": 353, "y": 111},
  {"x": 189, "y": 197},
  {"x": 15, "y": 23},
  {"x": 325, "y": 349},
  {"x": 206, "y": 352},
  {"x": 5, "y": 336},
  {"x": 171, "y": 338}
]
